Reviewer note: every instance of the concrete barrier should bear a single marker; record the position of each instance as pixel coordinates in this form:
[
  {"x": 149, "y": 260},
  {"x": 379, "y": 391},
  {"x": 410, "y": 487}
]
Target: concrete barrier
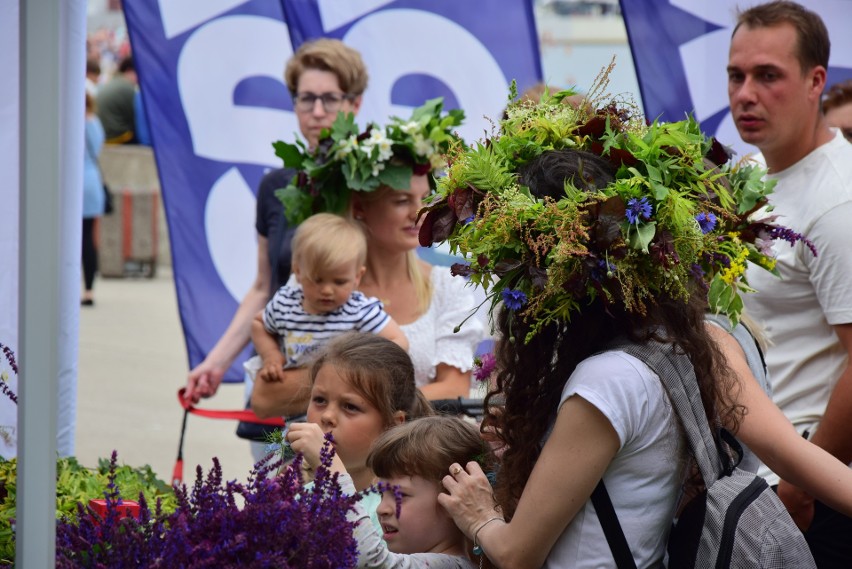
[{"x": 133, "y": 240}]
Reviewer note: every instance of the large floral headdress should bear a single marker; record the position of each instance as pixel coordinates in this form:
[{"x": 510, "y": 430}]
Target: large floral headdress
[
  {"x": 677, "y": 214},
  {"x": 347, "y": 159}
]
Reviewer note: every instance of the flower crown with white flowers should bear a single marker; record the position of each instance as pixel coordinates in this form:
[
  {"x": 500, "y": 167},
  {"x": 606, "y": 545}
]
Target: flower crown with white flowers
[
  {"x": 347, "y": 160},
  {"x": 678, "y": 213}
]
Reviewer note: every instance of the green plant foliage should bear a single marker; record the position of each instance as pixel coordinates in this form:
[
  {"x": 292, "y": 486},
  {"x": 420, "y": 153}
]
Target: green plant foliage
[{"x": 77, "y": 484}]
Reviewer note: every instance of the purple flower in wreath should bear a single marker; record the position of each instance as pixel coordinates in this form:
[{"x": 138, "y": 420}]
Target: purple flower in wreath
[
  {"x": 483, "y": 366},
  {"x": 514, "y": 299},
  {"x": 637, "y": 209},
  {"x": 706, "y": 221}
]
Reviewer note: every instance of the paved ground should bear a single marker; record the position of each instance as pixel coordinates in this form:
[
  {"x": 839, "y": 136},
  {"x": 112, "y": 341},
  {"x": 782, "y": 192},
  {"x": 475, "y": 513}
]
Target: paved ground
[{"x": 132, "y": 362}]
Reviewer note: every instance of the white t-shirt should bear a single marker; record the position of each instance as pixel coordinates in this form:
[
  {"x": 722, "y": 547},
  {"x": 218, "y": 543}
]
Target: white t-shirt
[
  {"x": 431, "y": 339},
  {"x": 798, "y": 310},
  {"x": 643, "y": 480}
]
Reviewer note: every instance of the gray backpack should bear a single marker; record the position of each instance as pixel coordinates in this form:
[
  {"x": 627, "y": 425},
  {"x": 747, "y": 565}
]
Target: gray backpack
[{"x": 738, "y": 521}]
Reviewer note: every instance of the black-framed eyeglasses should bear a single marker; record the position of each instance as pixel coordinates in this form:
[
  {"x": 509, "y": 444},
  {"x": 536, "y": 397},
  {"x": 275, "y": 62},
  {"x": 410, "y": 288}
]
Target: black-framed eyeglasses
[{"x": 331, "y": 102}]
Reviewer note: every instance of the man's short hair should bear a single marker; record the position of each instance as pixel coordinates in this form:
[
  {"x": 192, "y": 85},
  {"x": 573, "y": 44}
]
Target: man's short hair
[
  {"x": 330, "y": 55},
  {"x": 813, "y": 46}
]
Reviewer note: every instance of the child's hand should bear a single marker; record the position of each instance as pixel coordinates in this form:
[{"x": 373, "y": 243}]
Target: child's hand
[
  {"x": 307, "y": 438},
  {"x": 272, "y": 370}
]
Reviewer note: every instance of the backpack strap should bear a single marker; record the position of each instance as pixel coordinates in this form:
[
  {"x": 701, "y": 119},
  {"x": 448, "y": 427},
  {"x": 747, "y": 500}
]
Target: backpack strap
[
  {"x": 675, "y": 371},
  {"x": 611, "y": 528}
]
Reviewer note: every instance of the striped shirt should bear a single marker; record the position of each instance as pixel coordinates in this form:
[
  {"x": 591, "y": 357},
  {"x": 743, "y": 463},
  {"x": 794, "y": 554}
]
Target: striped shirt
[{"x": 301, "y": 333}]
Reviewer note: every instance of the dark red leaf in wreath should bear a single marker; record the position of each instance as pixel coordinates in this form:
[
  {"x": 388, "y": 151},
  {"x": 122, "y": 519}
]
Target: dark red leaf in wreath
[
  {"x": 443, "y": 222},
  {"x": 421, "y": 169},
  {"x": 608, "y": 227},
  {"x": 617, "y": 157},
  {"x": 595, "y": 127},
  {"x": 482, "y": 260},
  {"x": 718, "y": 153},
  {"x": 538, "y": 277},
  {"x": 506, "y": 266},
  {"x": 463, "y": 203},
  {"x": 424, "y": 236},
  {"x": 460, "y": 270},
  {"x": 366, "y": 134}
]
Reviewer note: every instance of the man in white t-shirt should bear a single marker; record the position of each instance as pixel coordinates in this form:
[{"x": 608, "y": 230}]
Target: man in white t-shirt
[{"x": 776, "y": 75}]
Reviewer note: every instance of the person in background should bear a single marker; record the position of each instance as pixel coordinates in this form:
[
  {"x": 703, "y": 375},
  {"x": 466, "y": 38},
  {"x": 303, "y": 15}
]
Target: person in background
[
  {"x": 324, "y": 77},
  {"x": 837, "y": 107},
  {"x": 93, "y": 197},
  {"x": 93, "y": 76},
  {"x": 116, "y": 108},
  {"x": 776, "y": 76}
]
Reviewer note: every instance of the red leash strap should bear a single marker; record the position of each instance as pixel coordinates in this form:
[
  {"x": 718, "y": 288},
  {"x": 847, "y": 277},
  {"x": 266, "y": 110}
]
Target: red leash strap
[{"x": 246, "y": 415}]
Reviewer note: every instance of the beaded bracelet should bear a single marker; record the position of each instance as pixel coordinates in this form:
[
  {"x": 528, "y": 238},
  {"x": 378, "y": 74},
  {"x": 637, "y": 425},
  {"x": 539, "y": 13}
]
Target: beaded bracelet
[{"x": 477, "y": 549}]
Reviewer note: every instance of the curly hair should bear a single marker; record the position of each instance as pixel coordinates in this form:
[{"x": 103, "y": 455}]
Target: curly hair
[{"x": 531, "y": 375}]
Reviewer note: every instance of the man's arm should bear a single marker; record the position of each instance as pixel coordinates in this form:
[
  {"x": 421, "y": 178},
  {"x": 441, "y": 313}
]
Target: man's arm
[{"x": 832, "y": 435}]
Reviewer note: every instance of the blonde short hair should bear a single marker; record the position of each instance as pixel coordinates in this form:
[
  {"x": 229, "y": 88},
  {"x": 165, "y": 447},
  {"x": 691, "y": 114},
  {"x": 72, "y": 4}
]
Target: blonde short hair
[
  {"x": 326, "y": 240},
  {"x": 330, "y": 55}
]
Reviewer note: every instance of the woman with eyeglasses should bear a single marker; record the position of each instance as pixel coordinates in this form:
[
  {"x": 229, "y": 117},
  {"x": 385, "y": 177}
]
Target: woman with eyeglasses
[{"x": 324, "y": 77}]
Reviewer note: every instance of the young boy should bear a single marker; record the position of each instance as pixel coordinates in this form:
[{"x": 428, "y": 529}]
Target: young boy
[
  {"x": 329, "y": 253},
  {"x": 410, "y": 460}
]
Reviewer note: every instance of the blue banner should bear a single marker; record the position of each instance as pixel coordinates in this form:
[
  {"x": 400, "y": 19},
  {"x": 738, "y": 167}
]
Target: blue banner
[
  {"x": 211, "y": 75},
  {"x": 680, "y": 52}
]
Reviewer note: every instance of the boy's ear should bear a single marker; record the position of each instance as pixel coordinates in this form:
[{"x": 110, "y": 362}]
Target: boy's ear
[
  {"x": 398, "y": 418},
  {"x": 359, "y": 274},
  {"x": 297, "y": 273}
]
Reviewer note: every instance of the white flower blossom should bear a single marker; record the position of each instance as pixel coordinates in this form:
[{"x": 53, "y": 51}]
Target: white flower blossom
[
  {"x": 378, "y": 167},
  {"x": 410, "y": 127},
  {"x": 422, "y": 146},
  {"x": 437, "y": 161},
  {"x": 346, "y": 147}
]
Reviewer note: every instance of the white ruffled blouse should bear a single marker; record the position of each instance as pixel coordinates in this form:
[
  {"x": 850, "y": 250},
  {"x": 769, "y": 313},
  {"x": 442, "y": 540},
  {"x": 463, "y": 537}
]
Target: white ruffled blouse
[{"x": 431, "y": 338}]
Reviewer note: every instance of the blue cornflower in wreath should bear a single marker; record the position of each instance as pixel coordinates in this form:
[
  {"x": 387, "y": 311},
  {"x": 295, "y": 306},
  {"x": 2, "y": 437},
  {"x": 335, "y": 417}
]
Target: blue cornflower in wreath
[{"x": 638, "y": 209}]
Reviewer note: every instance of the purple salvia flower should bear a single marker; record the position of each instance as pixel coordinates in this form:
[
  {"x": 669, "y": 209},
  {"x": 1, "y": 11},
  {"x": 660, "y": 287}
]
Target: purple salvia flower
[
  {"x": 10, "y": 357},
  {"x": 792, "y": 237}
]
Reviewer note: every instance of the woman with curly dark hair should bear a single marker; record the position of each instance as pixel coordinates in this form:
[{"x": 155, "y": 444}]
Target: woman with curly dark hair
[
  {"x": 590, "y": 231},
  {"x": 601, "y": 414}
]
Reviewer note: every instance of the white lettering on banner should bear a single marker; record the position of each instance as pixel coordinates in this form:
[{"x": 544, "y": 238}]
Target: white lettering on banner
[
  {"x": 705, "y": 63},
  {"x": 229, "y": 217},
  {"x": 179, "y": 15},
  {"x": 458, "y": 59},
  {"x": 212, "y": 63},
  {"x": 336, "y": 13}
]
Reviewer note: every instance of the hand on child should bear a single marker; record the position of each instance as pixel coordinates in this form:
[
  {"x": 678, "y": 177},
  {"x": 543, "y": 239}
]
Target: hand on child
[
  {"x": 272, "y": 370},
  {"x": 470, "y": 500}
]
